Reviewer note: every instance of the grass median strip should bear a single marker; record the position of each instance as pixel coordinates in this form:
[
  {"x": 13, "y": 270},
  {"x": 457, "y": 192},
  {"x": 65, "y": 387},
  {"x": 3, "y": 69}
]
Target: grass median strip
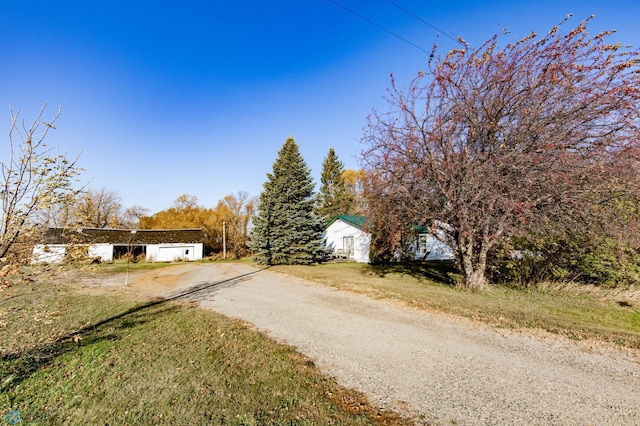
[{"x": 75, "y": 356}]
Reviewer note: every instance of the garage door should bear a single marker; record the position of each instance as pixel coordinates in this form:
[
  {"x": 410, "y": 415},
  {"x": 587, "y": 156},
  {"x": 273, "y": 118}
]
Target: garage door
[{"x": 169, "y": 254}]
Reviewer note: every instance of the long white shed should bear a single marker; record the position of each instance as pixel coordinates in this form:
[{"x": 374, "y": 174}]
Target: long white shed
[{"x": 157, "y": 245}]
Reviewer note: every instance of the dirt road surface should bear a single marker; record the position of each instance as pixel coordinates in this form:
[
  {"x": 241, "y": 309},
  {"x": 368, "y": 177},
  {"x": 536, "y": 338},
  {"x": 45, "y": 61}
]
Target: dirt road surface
[{"x": 432, "y": 368}]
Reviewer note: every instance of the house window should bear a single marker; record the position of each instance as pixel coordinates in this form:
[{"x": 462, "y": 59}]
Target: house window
[
  {"x": 348, "y": 244},
  {"x": 422, "y": 244}
]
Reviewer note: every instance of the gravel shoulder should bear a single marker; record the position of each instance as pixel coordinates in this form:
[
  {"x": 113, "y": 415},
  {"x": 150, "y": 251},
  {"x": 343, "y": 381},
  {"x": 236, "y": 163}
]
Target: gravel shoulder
[{"x": 433, "y": 368}]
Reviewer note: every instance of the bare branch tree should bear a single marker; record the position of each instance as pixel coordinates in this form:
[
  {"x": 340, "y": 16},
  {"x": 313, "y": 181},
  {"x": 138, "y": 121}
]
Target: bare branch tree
[
  {"x": 132, "y": 215},
  {"x": 35, "y": 177},
  {"x": 98, "y": 208}
]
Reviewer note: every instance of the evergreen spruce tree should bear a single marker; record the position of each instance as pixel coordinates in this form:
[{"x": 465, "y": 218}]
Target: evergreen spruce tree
[
  {"x": 286, "y": 230},
  {"x": 334, "y": 197}
]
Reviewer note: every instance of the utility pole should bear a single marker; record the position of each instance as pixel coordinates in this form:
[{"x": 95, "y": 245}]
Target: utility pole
[{"x": 224, "y": 239}]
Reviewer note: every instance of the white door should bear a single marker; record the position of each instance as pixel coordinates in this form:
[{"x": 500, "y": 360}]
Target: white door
[{"x": 348, "y": 244}]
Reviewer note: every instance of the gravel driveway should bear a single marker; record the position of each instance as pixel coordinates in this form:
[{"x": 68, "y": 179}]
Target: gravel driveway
[{"x": 434, "y": 368}]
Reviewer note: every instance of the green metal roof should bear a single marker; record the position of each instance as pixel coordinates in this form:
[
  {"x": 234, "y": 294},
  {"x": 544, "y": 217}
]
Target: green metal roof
[{"x": 357, "y": 221}]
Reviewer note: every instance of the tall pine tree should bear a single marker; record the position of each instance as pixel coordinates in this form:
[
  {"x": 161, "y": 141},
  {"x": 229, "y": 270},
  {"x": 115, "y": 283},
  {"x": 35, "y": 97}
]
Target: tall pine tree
[
  {"x": 334, "y": 197},
  {"x": 285, "y": 228}
]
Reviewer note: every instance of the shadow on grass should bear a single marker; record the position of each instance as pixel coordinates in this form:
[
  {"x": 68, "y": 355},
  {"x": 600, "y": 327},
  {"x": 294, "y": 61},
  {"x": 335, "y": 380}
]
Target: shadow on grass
[
  {"x": 440, "y": 271},
  {"x": 15, "y": 367}
]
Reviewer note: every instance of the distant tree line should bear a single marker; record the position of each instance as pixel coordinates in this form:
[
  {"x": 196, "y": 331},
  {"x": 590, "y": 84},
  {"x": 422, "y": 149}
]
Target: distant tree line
[{"x": 231, "y": 216}]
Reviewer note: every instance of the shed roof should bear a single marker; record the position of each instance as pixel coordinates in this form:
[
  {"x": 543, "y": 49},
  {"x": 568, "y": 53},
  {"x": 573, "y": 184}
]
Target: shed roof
[
  {"x": 122, "y": 236},
  {"x": 356, "y": 221}
]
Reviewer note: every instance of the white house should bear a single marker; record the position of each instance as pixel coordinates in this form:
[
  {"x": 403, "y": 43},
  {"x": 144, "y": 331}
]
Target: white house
[
  {"x": 109, "y": 244},
  {"x": 428, "y": 247},
  {"x": 346, "y": 237}
]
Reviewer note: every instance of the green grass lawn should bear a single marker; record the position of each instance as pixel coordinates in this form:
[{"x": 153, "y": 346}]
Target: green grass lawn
[
  {"x": 598, "y": 315},
  {"x": 78, "y": 356},
  {"x": 72, "y": 355}
]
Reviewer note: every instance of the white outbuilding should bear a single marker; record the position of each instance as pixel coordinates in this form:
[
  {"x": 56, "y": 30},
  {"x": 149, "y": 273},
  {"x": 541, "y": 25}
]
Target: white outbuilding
[
  {"x": 345, "y": 237},
  {"x": 103, "y": 244}
]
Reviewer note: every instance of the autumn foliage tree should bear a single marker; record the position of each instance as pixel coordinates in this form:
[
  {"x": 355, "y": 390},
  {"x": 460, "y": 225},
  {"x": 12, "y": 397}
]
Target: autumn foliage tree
[
  {"x": 234, "y": 210},
  {"x": 185, "y": 213},
  {"x": 537, "y": 137},
  {"x": 354, "y": 181}
]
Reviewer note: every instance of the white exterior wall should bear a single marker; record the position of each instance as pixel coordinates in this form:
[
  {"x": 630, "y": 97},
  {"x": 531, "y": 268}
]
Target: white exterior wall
[
  {"x": 48, "y": 253},
  {"x": 334, "y": 239},
  {"x": 54, "y": 253},
  {"x": 336, "y": 232},
  {"x": 103, "y": 251},
  {"x": 436, "y": 248},
  {"x": 172, "y": 252}
]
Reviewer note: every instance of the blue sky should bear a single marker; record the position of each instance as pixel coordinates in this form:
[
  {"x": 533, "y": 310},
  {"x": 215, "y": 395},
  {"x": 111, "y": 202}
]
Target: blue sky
[{"x": 166, "y": 98}]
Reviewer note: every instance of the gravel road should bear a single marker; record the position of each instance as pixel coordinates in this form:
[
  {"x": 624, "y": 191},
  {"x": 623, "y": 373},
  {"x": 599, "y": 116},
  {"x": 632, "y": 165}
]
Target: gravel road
[{"x": 432, "y": 368}]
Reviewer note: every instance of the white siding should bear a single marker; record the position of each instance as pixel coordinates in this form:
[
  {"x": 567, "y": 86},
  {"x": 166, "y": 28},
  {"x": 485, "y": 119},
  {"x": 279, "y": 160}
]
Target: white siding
[
  {"x": 173, "y": 252},
  {"x": 335, "y": 235},
  {"x": 52, "y": 253},
  {"x": 103, "y": 251},
  {"x": 436, "y": 249}
]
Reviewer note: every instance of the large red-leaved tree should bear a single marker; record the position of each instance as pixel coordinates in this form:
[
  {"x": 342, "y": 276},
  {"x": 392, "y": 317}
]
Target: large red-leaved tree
[{"x": 539, "y": 135}]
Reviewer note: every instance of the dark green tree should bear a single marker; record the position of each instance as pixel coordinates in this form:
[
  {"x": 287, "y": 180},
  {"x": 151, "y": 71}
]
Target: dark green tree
[
  {"x": 286, "y": 230},
  {"x": 334, "y": 197}
]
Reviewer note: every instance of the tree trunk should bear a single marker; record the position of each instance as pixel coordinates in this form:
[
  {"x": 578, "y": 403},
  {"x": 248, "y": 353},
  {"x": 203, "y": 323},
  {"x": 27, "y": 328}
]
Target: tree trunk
[
  {"x": 472, "y": 269},
  {"x": 475, "y": 280}
]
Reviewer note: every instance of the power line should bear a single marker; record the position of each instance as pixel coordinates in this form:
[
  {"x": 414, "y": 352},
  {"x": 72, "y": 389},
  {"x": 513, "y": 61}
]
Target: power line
[
  {"x": 379, "y": 26},
  {"x": 405, "y": 10}
]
